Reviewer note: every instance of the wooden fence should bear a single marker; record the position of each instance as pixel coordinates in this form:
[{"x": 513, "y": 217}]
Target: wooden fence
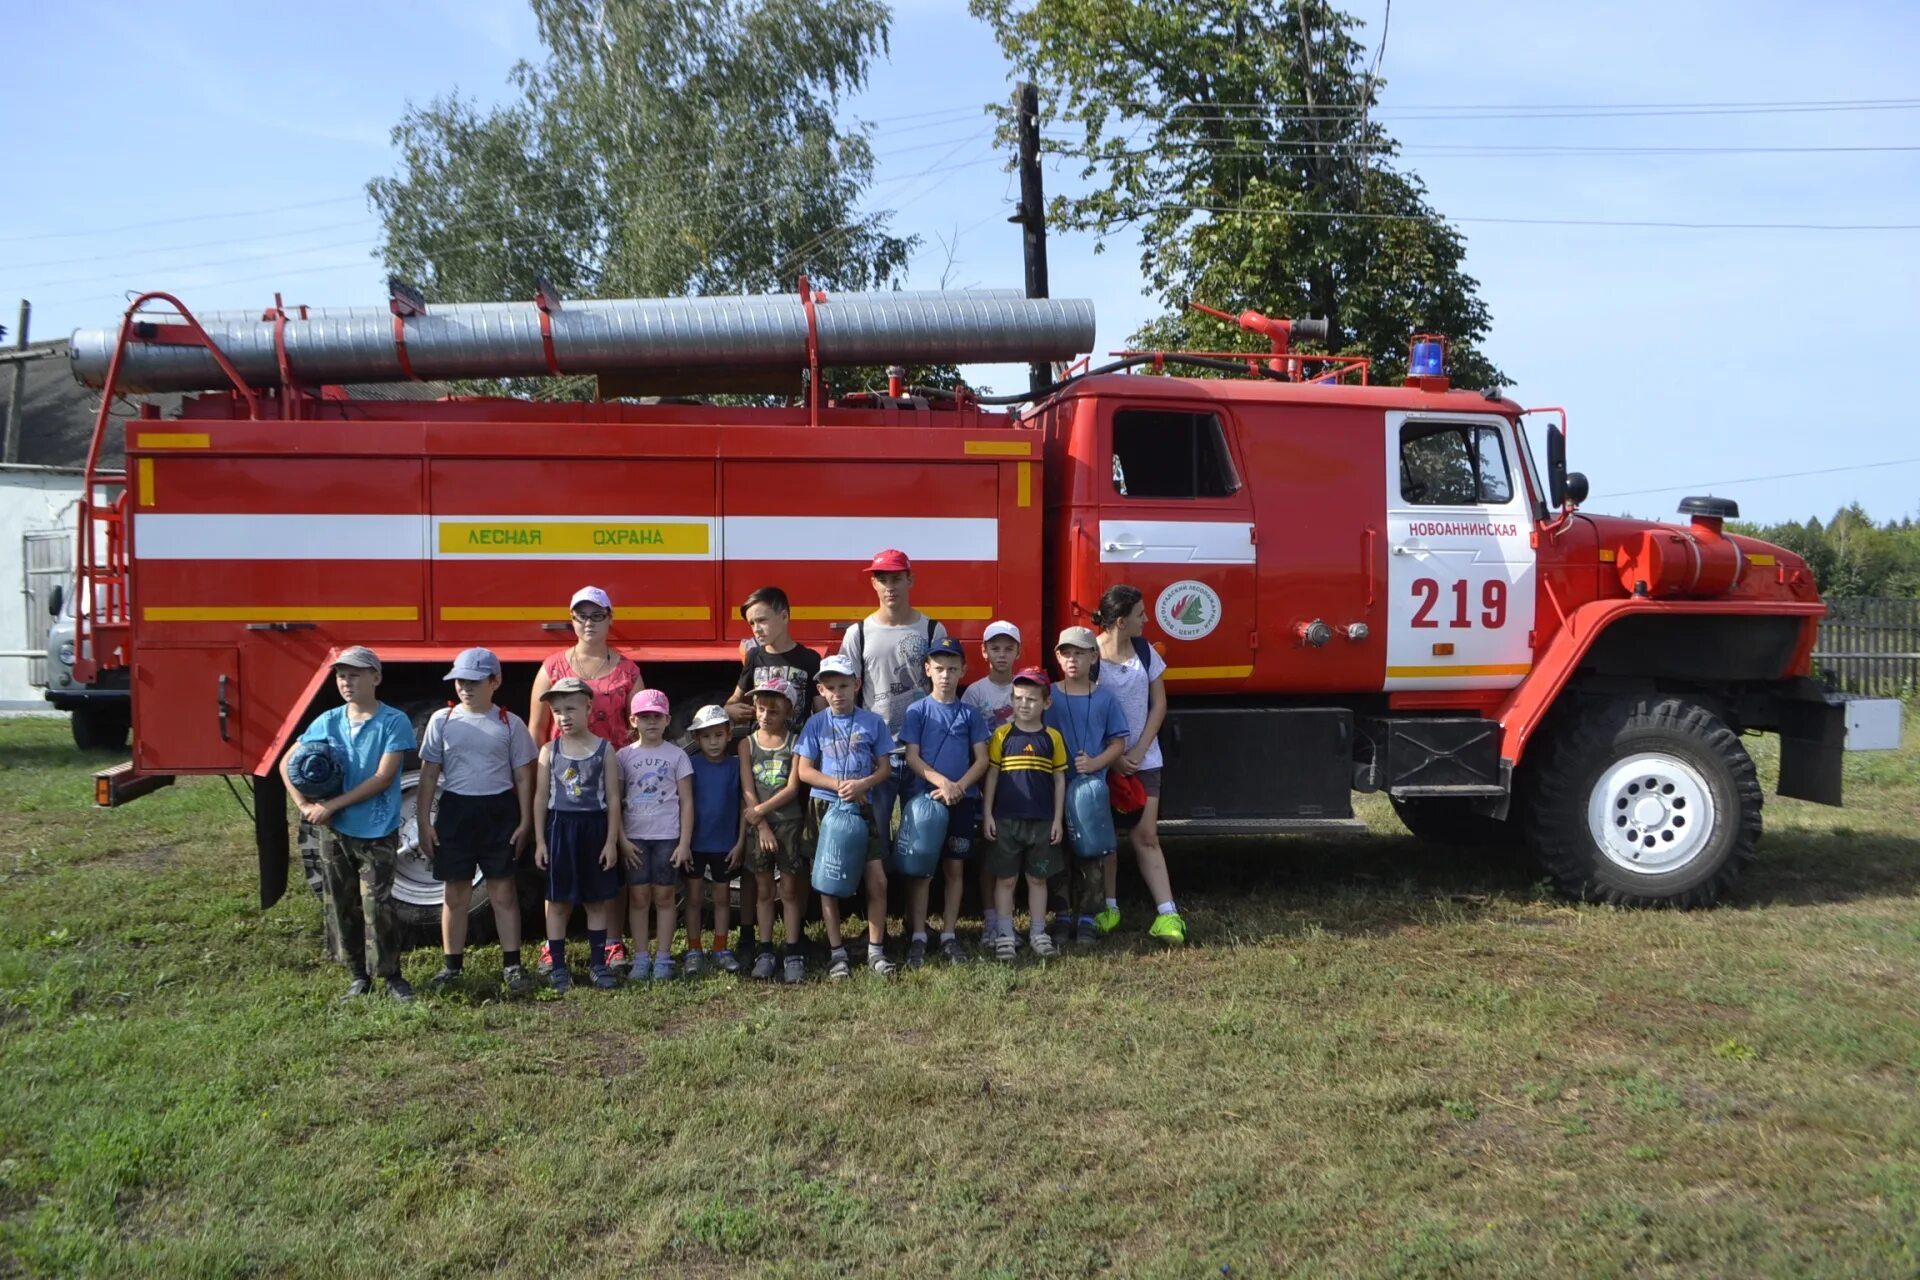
[{"x": 1871, "y": 646}]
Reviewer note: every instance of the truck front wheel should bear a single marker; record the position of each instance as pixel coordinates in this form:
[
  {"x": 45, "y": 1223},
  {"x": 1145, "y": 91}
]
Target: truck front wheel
[
  {"x": 1643, "y": 801},
  {"x": 101, "y": 728}
]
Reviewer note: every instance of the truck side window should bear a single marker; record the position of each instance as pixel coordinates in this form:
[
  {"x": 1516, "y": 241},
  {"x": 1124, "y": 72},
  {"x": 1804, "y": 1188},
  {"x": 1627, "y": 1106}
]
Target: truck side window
[
  {"x": 1158, "y": 454},
  {"x": 1453, "y": 466}
]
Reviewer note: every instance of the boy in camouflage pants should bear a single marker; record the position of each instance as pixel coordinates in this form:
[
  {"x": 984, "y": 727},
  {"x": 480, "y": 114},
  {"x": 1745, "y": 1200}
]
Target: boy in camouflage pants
[{"x": 359, "y": 828}]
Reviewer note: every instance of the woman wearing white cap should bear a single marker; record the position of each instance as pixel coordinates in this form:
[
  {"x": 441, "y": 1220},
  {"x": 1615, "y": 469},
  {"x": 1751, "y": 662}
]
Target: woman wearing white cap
[{"x": 613, "y": 680}]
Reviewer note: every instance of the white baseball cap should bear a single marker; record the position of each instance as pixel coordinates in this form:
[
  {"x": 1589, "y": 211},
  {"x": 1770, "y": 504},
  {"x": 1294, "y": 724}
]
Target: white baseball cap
[
  {"x": 1001, "y": 628},
  {"x": 590, "y": 595},
  {"x": 708, "y": 716},
  {"x": 838, "y": 664}
]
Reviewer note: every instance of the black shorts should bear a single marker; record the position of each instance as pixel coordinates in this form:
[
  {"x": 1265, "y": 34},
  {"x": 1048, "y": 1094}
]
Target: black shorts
[
  {"x": 474, "y": 833},
  {"x": 711, "y": 867}
]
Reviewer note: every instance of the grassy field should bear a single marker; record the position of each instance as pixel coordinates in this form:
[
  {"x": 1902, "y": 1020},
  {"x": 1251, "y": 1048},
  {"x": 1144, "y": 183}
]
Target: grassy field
[{"x": 1381, "y": 1060}]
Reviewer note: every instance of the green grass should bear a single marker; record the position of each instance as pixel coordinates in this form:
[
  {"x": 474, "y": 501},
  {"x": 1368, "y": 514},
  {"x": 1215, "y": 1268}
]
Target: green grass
[{"x": 1382, "y": 1060}]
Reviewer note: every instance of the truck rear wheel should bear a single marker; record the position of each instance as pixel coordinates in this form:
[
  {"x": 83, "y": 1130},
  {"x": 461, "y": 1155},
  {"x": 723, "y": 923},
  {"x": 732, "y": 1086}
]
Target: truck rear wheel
[
  {"x": 1454, "y": 823},
  {"x": 102, "y": 728},
  {"x": 1643, "y": 801},
  {"x": 417, "y": 896}
]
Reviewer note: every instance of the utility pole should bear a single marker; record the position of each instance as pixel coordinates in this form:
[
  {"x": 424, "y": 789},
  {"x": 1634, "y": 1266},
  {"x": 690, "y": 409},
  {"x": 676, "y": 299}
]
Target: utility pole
[
  {"x": 11, "y": 452},
  {"x": 1031, "y": 214}
]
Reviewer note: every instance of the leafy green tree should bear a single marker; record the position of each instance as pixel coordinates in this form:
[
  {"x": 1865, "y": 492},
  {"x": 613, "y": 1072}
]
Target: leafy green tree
[
  {"x": 1235, "y": 135},
  {"x": 1849, "y": 555},
  {"x": 660, "y": 148}
]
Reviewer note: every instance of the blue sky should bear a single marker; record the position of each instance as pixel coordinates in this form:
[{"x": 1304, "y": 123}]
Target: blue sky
[{"x": 220, "y": 151}]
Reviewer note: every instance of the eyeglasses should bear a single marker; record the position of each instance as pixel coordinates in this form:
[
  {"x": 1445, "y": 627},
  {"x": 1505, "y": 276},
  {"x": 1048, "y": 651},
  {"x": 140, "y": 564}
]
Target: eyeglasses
[{"x": 591, "y": 619}]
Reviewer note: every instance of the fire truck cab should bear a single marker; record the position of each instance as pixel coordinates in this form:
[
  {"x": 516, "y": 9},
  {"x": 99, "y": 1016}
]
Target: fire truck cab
[{"x": 1354, "y": 587}]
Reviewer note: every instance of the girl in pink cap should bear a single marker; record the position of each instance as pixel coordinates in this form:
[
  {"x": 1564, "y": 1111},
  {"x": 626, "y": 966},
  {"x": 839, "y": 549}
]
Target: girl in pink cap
[{"x": 613, "y": 680}]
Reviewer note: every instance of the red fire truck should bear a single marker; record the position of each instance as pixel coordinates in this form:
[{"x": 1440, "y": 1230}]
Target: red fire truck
[{"x": 1354, "y": 586}]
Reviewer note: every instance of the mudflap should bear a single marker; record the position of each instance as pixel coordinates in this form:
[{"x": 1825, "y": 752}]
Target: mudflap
[
  {"x": 270, "y": 837},
  {"x": 1813, "y": 738}
]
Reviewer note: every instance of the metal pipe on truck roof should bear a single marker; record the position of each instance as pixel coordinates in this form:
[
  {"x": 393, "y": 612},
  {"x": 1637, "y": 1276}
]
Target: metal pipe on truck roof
[{"x": 503, "y": 339}]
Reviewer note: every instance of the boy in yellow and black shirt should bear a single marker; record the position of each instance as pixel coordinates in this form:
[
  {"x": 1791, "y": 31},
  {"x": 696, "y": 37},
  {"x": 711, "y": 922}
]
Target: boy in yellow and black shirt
[{"x": 1024, "y": 808}]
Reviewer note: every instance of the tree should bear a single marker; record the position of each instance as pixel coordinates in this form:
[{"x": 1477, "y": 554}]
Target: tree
[
  {"x": 663, "y": 147},
  {"x": 1236, "y": 136}
]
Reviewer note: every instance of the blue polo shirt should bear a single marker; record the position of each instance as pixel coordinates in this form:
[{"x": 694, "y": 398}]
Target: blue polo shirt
[
  {"x": 360, "y": 747},
  {"x": 843, "y": 747}
]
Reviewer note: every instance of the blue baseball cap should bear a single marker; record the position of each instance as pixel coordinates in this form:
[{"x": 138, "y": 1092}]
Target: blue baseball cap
[
  {"x": 946, "y": 647},
  {"x": 474, "y": 664}
]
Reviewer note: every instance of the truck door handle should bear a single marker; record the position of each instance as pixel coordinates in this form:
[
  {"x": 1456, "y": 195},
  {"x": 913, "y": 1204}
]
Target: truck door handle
[
  {"x": 1124, "y": 546},
  {"x": 224, "y": 709},
  {"x": 1410, "y": 549}
]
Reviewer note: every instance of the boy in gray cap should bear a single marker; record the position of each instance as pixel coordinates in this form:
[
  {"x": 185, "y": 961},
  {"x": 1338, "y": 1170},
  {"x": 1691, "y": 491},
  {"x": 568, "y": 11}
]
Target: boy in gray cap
[
  {"x": 360, "y": 827},
  {"x": 478, "y": 758}
]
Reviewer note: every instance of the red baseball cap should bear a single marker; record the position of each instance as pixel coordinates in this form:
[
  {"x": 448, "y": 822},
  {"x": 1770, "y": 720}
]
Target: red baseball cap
[
  {"x": 890, "y": 561},
  {"x": 1033, "y": 675}
]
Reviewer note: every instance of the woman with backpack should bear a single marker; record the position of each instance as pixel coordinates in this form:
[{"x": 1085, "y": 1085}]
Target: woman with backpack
[{"x": 1131, "y": 671}]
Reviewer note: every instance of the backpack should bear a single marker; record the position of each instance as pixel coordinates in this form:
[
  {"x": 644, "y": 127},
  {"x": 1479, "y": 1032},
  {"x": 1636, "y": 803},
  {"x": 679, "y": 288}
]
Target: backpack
[{"x": 1141, "y": 650}]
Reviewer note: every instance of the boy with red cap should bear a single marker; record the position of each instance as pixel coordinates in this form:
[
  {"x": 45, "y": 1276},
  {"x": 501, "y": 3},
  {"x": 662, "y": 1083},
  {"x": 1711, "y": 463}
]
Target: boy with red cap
[{"x": 888, "y": 649}]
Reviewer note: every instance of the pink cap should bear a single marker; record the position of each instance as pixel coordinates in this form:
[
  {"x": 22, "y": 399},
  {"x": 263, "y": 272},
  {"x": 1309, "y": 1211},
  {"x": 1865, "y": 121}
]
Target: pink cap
[
  {"x": 890, "y": 561},
  {"x": 650, "y": 702}
]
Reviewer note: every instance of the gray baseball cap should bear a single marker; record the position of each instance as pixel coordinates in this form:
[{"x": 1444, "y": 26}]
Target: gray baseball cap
[
  {"x": 358, "y": 656},
  {"x": 474, "y": 664}
]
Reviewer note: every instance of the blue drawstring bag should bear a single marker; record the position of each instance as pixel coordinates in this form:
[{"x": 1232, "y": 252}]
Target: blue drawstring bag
[
  {"x": 316, "y": 770},
  {"x": 1089, "y": 816},
  {"x": 840, "y": 856},
  {"x": 923, "y": 834}
]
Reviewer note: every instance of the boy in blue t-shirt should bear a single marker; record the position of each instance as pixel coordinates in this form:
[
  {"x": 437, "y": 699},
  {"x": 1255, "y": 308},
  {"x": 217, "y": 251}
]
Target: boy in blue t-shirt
[
  {"x": 359, "y": 828},
  {"x": 719, "y": 835},
  {"x": 842, "y": 754},
  {"x": 946, "y": 743},
  {"x": 1095, "y": 727}
]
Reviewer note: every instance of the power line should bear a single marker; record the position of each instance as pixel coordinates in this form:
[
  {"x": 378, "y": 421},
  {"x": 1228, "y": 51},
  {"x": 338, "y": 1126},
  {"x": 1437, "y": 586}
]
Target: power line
[
  {"x": 1259, "y": 146},
  {"x": 1706, "y": 485},
  {"x": 169, "y": 222},
  {"x": 1654, "y": 224}
]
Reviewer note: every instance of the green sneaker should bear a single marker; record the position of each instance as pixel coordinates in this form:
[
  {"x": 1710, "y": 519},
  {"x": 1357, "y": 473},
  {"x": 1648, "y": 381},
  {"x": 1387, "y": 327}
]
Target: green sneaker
[
  {"x": 1107, "y": 921},
  {"x": 1170, "y": 927}
]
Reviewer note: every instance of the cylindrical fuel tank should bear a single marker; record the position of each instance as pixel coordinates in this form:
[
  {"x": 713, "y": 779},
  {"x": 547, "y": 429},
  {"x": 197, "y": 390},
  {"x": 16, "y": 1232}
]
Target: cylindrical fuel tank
[{"x": 1696, "y": 561}]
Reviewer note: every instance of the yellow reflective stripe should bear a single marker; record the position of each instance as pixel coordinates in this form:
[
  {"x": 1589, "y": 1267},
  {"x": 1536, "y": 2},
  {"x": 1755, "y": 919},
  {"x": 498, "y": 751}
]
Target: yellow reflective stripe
[
  {"x": 173, "y": 440},
  {"x": 855, "y": 612},
  {"x": 1763, "y": 560},
  {"x": 146, "y": 482},
  {"x": 280, "y": 613},
  {"x": 1024, "y": 496},
  {"x": 1207, "y": 673},
  {"x": 609, "y": 538},
  {"x": 1496, "y": 669},
  {"x": 555, "y": 613},
  {"x": 1000, "y": 448}
]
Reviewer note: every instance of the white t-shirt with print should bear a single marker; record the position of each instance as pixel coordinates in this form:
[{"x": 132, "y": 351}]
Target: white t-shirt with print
[{"x": 1131, "y": 687}]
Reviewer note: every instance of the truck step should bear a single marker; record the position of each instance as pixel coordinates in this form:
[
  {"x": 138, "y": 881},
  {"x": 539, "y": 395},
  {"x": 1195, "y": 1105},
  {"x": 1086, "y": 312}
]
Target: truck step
[
  {"x": 1260, "y": 826},
  {"x": 118, "y": 785}
]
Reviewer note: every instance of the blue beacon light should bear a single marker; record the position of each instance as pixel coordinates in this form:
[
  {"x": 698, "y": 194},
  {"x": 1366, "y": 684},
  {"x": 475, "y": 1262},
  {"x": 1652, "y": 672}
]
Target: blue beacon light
[{"x": 1429, "y": 359}]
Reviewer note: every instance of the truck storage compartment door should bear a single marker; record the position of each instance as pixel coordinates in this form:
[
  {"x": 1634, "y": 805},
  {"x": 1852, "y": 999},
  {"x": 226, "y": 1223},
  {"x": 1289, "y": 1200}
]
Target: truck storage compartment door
[
  {"x": 187, "y": 709},
  {"x": 1232, "y": 764},
  {"x": 1460, "y": 570},
  {"x": 512, "y": 540},
  {"x": 1176, "y": 521}
]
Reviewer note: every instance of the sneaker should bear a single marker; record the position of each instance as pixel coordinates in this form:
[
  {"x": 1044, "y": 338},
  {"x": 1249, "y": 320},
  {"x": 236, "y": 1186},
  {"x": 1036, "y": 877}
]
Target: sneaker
[
  {"x": 763, "y": 965},
  {"x": 725, "y": 959},
  {"x": 1005, "y": 949},
  {"x": 881, "y": 966},
  {"x": 546, "y": 957},
  {"x": 795, "y": 970},
  {"x": 618, "y": 955},
  {"x": 560, "y": 980},
  {"x": 662, "y": 968},
  {"x": 641, "y": 970},
  {"x": 838, "y": 969},
  {"x": 357, "y": 988},
  {"x": 602, "y": 976},
  {"x": 1043, "y": 948},
  {"x": 694, "y": 963},
  {"x": 1107, "y": 921},
  {"x": 444, "y": 979},
  {"x": 952, "y": 952},
  {"x": 1057, "y": 933},
  {"x": 515, "y": 976},
  {"x": 400, "y": 989},
  {"x": 1170, "y": 927},
  {"x": 916, "y": 953}
]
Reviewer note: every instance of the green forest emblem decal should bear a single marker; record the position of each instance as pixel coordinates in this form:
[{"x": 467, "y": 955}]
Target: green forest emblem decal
[{"x": 1187, "y": 610}]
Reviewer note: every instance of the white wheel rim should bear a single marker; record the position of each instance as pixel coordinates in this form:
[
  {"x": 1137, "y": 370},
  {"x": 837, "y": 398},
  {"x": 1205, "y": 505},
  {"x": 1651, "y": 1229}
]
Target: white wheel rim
[
  {"x": 1651, "y": 813},
  {"x": 413, "y": 881}
]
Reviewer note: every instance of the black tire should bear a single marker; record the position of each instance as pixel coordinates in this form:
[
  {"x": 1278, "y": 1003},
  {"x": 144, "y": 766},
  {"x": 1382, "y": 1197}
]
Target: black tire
[
  {"x": 1454, "y": 823},
  {"x": 101, "y": 728},
  {"x": 417, "y": 896},
  {"x": 1653, "y": 777}
]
